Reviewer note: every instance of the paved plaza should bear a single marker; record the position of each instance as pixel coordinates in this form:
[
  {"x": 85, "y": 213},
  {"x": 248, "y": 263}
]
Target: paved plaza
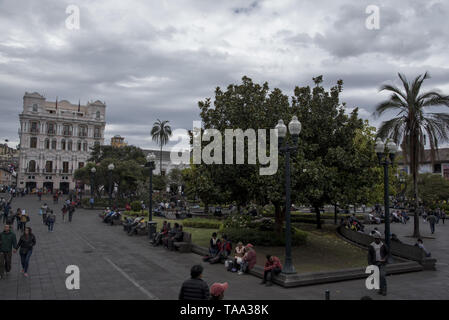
[{"x": 116, "y": 266}]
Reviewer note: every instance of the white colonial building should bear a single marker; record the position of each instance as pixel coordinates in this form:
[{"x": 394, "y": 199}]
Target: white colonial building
[{"x": 55, "y": 140}]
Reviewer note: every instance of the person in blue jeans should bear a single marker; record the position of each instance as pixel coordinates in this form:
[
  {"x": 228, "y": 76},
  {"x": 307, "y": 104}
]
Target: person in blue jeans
[
  {"x": 26, "y": 243},
  {"x": 51, "y": 221}
]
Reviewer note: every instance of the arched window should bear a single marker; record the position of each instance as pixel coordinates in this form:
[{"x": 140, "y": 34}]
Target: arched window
[
  {"x": 63, "y": 144},
  {"x": 32, "y": 166},
  {"x": 97, "y": 115},
  {"x": 47, "y": 144},
  {"x": 53, "y": 144},
  {"x": 85, "y": 146},
  {"x": 79, "y": 146},
  {"x": 35, "y": 107},
  {"x": 69, "y": 145}
]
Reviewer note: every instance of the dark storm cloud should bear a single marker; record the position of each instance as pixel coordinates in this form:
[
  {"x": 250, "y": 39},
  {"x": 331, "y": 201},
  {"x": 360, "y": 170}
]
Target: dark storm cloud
[{"x": 157, "y": 60}]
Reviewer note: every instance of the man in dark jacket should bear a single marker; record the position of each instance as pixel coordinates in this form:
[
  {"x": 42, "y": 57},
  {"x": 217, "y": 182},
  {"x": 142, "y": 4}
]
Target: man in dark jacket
[
  {"x": 8, "y": 241},
  {"x": 195, "y": 288},
  {"x": 378, "y": 255}
]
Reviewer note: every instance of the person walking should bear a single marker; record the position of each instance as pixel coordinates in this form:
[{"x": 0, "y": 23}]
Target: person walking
[
  {"x": 6, "y": 208},
  {"x": 18, "y": 215},
  {"x": 195, "y": 288},
  {"x": 432, "y": 220},
  {"x": 64, "y": 212},
  {"x": 51, "y": 219},
  {"x": 8, "y": 242},
  {"x": 26, "y": 243},
  {"x": 44, "y": 209},
  {"x": 24, "y": 218},
  {"x": 443, "y": 215},
  {"x": 71, "y": 211},
  {"x": 378, "y": 256}
]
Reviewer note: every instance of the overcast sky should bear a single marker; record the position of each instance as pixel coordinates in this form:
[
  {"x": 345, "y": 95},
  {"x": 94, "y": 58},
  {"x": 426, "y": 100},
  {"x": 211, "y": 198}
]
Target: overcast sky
[{"x": 157, "y": 59}]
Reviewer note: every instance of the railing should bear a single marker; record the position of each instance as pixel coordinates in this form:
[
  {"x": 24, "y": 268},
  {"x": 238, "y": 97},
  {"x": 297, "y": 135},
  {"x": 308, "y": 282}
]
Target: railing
[
  {"x": 67, "y": 133},
  {"x": 51, "y": 132},
  {"x": 34, "y": 130}
]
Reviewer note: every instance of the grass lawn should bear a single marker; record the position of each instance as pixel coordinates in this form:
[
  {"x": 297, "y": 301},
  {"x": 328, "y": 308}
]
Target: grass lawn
[{"x": 324, "y": 250}]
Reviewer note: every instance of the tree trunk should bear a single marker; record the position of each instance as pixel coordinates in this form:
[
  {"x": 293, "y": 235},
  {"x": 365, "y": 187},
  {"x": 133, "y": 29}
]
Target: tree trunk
[
  {"x": 335, "y": 214},
  {"x": 414, "y": 165},
  {"x": 318, "y": 217},
  {"x": 278, "y": 219},
  {"x": 160, "y": 168}
]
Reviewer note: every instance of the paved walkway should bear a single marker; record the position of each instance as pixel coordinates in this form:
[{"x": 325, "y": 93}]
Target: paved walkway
[{"x": 116, "y": 266}]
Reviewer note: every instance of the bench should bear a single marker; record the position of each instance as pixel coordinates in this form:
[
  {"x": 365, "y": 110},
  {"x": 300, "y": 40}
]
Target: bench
[{"x": 185, "y": 245}]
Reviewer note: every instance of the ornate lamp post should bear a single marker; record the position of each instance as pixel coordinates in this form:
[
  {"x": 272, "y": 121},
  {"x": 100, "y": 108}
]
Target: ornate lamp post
[
  {"x": 110, "y": 169},
  {"x": 92, "y": 182},
  {"x": 385, "y": 154},
  {"x": 151, "y": 226},
  {"x": 294, "y": 127}
]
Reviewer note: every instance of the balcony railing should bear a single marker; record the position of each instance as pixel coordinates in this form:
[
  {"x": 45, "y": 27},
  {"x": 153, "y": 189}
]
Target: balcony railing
[
  {"x": 34, "y": 130},
  {"x": 82, "y": 134},
  {"x": 51, "y": 132},
  {"x": 67, "y": 133}
]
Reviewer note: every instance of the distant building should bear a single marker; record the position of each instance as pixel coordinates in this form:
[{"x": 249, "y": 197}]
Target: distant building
[
  {"x": 118, "y": 141},
  {"x": 439, "y": 166},
  {"x": 55, "y": 140}
]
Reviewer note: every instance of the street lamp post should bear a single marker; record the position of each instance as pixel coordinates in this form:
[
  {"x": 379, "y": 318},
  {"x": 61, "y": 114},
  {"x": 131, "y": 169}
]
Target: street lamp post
[
  {"x": 110, "y": 169},
  {"x": 92, "y": 182},
  {"x": 385, "y": 154},
  {"x": 150, "y": 164},
  {"x": 294, "y": 127}
]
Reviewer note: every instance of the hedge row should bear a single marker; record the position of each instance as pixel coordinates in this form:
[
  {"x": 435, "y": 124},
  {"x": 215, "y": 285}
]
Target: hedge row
[{"x": 264, "y": 238}]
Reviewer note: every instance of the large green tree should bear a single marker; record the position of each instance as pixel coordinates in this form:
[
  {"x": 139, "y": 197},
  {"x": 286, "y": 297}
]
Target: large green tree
[{"x": 413, "y": 121}]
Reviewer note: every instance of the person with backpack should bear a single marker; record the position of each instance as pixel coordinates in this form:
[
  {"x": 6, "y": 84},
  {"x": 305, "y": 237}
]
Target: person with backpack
[
  {"x": 26, "y": 243},
  {"x": 24, "y": 218}
]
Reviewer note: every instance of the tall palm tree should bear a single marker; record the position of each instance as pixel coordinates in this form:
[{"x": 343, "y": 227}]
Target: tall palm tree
[
  {"x": 412, "y": 123},
  {"x": 161, "y": 133}
]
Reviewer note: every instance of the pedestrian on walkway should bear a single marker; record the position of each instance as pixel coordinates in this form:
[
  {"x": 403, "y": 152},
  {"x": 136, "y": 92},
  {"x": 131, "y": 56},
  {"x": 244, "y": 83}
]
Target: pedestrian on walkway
[
  {"x": 6, "y": 208},
  {"x": 18, "y": 215},
  {"x": 71, "y": 211},
  {"x": 64, "y": 212},
  {"x": 195, "y": 288},
  {"x": 378, "y": 255},
  {"x": 44, "y": 209},
  {"x": 8, "y": 242},
  {"x": 443, "y": 215},
  {"x": 51, "y": 219},
  {"x": 26, "y": 243},
  {"x": 432, "y": 220},
  {"x": 24, "y": 218}
]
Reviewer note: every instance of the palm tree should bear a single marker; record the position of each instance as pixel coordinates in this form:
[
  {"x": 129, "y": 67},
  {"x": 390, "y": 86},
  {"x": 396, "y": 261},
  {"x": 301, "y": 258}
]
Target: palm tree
[
  {"x": 161, "y": 133},
  {"x": 412, "y": 123}
]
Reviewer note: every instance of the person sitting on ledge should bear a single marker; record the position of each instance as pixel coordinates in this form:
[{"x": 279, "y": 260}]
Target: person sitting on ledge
[
  {"x": 395, "y": 238},
  {"x": 249, "y": 259},
  {"x": 177, "y": 237},
  {"x": 272, "y": 268},
  {"x": 171, "y": 233},
  {"x": 158, "y": 236},
  {"x": 420, "y": 244},
  {"x": 224, "y": 250}
]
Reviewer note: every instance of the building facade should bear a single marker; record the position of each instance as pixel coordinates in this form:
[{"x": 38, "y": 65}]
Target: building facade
[
  {"x": 439, "y": 166},
  {"x": 118, "y": 141},
  {"x": 55, "y": 140}
]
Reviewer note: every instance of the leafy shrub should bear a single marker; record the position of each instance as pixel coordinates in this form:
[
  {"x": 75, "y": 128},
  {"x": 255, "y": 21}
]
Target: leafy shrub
[
  {"x": 264, "y": 238},
  {"x": 201, "y": 223},
  {"x": 136, "y": 206}
]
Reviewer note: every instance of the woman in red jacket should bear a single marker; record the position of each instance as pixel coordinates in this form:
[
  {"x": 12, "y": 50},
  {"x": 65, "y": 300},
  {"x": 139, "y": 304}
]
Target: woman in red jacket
[
  {"x": 249, "y": 259},
  {"x": 273, "y": 267}
]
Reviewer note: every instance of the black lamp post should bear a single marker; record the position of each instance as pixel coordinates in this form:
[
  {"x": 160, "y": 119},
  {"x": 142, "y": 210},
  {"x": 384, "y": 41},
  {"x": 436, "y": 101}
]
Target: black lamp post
[
  {"x": 294, "y": 127},
  {"x": 92, "y": 182},
  {"x": 110, "y": 169},
  {"x": 385, "y": 154},
  {"x": 150, "y": 164}
]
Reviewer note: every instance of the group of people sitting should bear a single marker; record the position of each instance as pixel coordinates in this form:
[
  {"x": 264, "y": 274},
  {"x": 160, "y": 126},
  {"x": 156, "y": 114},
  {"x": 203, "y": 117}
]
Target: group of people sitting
[
  {"x": 168, "y": 235},
  {"x": 109, "y": 215},
  {"x": 352, "y": 223},
  {"x": 399, "y": 216},
  {"x": 241, "y": 259},
  {"x": 132, "y": 226}
]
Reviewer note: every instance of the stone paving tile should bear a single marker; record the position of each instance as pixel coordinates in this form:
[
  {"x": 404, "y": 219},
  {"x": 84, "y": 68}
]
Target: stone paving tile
[{"x": 108, "y": 259}]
